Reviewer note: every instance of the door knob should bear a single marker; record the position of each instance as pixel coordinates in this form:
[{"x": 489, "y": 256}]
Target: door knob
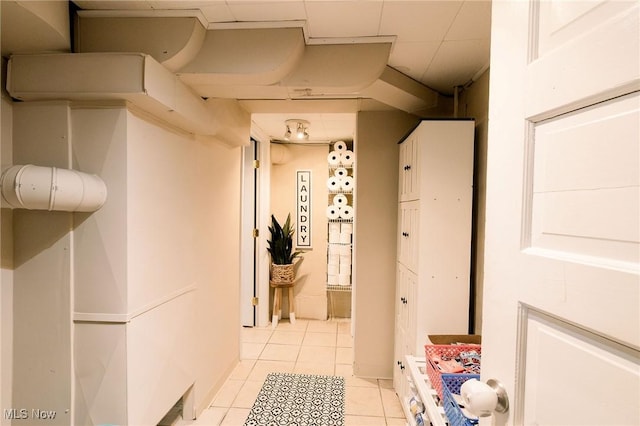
[{"x": 482, "y": 399}]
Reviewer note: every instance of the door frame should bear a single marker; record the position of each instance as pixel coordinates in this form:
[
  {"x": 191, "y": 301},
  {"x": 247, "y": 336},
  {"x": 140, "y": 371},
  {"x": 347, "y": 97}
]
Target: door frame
[
  {"x": 248, "y": 244},
  {"x": 262, "y": 211}
]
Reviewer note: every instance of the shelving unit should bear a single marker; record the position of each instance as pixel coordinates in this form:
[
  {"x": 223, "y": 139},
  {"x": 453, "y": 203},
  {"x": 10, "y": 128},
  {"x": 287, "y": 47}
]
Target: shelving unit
[
  {"x": 429, "y": 397},
  {"x": 339, "y": 246},
  {"x": 340, "y": 223}
]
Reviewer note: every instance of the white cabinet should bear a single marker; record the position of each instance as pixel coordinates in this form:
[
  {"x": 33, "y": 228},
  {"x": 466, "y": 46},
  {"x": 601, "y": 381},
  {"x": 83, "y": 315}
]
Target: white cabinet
[
  {"x": 408, "y": 170},
  {"x": 408, "y": 227},
  {"x": 434, "y": 238}
]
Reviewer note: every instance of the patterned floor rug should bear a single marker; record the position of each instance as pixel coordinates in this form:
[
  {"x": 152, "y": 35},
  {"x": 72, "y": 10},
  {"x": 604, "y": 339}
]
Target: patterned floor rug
[{"x": 299, "y": 400}]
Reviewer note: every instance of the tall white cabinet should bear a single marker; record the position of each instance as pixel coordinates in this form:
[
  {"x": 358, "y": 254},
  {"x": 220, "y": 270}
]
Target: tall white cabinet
[{"x": 434, "y": 237}]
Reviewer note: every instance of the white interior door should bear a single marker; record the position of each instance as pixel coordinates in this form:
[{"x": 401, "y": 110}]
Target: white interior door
[{"x": 561, "y": 325}]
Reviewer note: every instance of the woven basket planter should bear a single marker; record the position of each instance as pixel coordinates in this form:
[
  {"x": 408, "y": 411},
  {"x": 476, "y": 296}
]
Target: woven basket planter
[{"x": 282, "y": 273}]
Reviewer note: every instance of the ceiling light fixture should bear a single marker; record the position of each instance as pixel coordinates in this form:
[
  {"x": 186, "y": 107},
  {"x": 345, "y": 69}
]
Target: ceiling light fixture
[{"x": 301, "y": 128}]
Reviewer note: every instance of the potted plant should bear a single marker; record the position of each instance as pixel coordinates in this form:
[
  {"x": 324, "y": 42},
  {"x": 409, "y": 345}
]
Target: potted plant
[{"x": 281, "y": 250}]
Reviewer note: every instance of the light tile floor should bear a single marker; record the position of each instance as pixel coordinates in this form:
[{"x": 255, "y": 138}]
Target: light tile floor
[{"x": 306, "y": 347}]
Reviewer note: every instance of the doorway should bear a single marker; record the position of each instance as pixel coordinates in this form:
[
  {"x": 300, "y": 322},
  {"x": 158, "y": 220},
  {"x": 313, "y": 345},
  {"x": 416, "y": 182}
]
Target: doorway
[{"x": 249, "y": 243}]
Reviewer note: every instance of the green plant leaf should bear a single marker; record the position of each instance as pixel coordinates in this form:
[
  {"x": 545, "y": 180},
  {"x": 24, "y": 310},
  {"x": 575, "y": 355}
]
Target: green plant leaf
[{"x": 280, "y": 245}]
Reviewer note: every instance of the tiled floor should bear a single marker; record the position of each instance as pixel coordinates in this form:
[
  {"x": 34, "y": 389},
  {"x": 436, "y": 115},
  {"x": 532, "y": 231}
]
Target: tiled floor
[{"x": 306, "y": 347}]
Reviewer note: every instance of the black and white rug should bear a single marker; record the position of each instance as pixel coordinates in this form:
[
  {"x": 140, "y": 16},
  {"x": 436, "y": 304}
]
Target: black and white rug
[{"x": 299, "y": 400}]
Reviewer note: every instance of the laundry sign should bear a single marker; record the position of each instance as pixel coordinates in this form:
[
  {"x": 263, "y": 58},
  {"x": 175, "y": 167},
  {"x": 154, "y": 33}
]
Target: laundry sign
[{"x": 303, "y": 209}]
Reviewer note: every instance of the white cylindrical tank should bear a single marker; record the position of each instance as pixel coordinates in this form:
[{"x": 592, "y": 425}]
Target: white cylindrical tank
[{"x": 50, "y": 188}]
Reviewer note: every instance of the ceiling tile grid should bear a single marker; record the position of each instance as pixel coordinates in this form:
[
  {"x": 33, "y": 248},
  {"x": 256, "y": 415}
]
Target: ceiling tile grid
[
  {"x": 445, "y": 72},
  {"x": 343, "y": 18},
  {"x": 418, "y": 20},
  {"x": 473, "y": 22},
  {"x": 413, "y": 58}
]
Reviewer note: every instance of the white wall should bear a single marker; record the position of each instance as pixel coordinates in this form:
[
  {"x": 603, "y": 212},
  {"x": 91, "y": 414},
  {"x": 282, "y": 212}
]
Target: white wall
[
  {"x": 164, "y": 253},
  {"x": 216, "y": 231},
  {"x": 474, "y": 103},
  {"x": 42, "y": 273},
  {"x": 6, "y": 263},
  {"x": 375, "y": 234},
  {"x": 310, "y": 290},
  {"x": 151, "y": 279}
]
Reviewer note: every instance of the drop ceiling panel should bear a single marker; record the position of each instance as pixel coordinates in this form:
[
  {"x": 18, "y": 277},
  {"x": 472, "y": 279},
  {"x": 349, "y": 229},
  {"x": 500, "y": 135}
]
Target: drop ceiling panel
[
  {"x": 413, "y": 58},
  {"x": 322, "y": 127},
  {"x": 337, "y": 124},
  {"x": 418, "y": 21},
  {"x": 176, "y": 4},
  {"x": 343, "y": 19},
  {"x": 218, "y": 12},
  {"x": 267, "y": 11},
  {"x": 445, "y": 72},
  {"x": 472, "y": 22},
  {"x": 113, "y": 5}
]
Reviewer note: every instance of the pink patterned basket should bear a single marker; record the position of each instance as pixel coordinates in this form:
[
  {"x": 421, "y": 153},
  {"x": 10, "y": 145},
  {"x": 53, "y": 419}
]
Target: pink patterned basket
[{"x": 433, "y": 352}]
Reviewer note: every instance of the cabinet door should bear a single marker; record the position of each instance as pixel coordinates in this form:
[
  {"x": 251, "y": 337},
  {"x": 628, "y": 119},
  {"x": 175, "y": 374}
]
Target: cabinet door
[
  {"x": 408, "y": 178},
  {"x": 405, "y": 329},
  {"x": 408, "y": 227},
  {"x": 398, "y": 360},
  {"x": 401, "y": 297},
  {"x": 400, "y": 328},
  {"x": 414, "y": 342}
]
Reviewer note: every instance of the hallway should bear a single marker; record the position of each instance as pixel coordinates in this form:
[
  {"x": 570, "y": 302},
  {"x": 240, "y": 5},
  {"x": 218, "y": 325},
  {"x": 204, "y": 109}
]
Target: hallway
[{"x": 306, "y": 347}]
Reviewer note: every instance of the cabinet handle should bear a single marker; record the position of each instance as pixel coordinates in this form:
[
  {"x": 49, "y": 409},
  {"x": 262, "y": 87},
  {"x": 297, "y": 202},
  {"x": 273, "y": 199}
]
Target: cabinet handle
[
  {"x": 405, "y": 234},
  {"x": 407, "y": 167}
]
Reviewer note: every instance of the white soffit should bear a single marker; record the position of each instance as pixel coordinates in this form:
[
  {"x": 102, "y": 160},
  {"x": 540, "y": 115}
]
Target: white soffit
[
  {"x": 131, "y": 77},
  {"x": 393, "y": 88},
  {"x": 237, "y": 61},
  {"x": 425, "y": 22},
  {"x": 338, "y": 68},
  {"x": 172, "y": 41},
  {"x": 245, "y": 57},
  {"x": 34, "y": 26}
]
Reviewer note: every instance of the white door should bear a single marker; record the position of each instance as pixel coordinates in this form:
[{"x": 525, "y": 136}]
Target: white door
[{"x": 561, "y": 324}]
